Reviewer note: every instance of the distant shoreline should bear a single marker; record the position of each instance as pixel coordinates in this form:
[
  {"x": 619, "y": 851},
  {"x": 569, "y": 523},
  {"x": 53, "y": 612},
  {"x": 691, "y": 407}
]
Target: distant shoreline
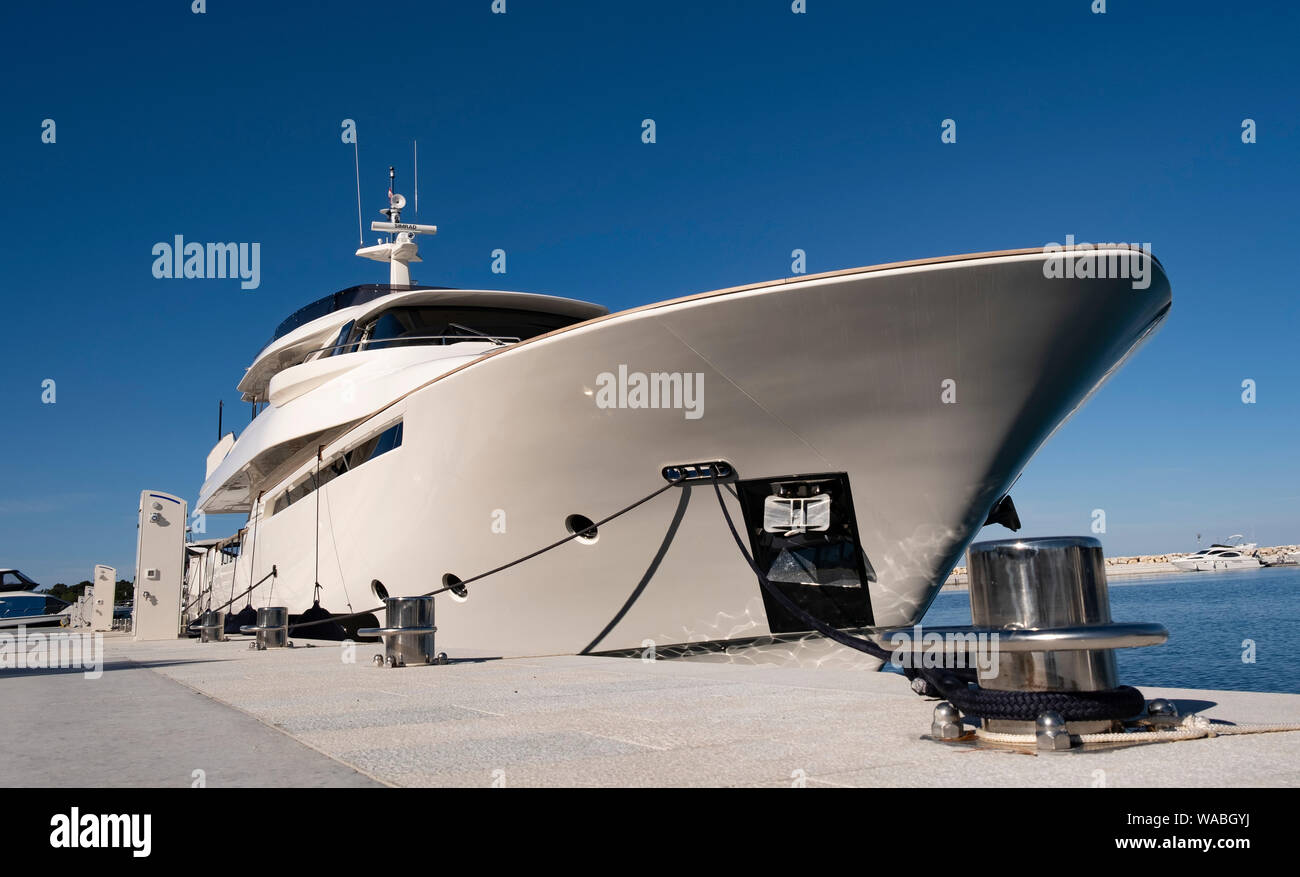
[{"x": 1138, "y": 565}]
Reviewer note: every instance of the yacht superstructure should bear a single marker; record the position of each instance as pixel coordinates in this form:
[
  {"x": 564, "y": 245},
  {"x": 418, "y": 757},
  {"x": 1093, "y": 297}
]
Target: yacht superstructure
[{"x": 410, "y": 437}]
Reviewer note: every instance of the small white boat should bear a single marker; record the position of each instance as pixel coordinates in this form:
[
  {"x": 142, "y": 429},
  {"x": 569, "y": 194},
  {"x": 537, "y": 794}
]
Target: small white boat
[{"x": 1219, "y": 557}]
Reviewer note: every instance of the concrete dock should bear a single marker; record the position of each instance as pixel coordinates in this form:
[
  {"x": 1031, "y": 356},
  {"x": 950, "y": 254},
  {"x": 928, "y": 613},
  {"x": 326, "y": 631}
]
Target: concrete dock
[{"x": 180, "y": 713}]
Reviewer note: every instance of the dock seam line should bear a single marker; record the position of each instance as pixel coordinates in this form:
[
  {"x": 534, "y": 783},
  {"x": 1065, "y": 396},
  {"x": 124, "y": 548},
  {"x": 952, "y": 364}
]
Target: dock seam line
[{"x": 262, "y": 721}]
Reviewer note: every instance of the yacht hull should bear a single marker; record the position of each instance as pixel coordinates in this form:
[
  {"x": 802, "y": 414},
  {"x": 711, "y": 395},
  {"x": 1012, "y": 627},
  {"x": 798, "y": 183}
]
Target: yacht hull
[
  {"x": 928, "y": 386},
  {"x": 33, "y": 621},
  {"x": 1216, "y": 565}
]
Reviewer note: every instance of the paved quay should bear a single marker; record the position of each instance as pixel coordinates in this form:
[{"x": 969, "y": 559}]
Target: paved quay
[{"x": 308, "y": 717}]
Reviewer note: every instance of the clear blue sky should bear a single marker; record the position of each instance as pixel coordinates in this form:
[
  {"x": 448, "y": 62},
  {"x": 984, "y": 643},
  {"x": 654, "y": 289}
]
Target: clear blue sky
[{"x": 775, "y": 131}]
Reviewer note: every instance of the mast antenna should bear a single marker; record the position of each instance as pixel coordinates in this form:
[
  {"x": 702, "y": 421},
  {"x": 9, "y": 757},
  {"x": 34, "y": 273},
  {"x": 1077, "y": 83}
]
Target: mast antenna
[
  {"x": 415, "y": 151},
  {"x": 392, "y": 211},
  {"x": 400, "y": 249},
  {"x": 356, "y": 157}
]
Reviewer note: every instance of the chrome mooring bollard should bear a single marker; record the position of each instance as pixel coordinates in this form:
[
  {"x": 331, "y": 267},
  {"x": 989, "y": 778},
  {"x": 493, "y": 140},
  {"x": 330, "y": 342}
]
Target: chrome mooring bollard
[
  {"x": 407, "y": 632},
  {"x": 1043, "y": 583},
  {"x": 272, "y": 628},
  {"x": 211, "y": 627},
  {"x": 1041, "y": 613},
  {"x": 1049, "y": 600}
]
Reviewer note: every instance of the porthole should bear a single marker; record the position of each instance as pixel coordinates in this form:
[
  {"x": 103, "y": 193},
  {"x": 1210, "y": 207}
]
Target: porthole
[
  {"x": 583, "y": 527},
  {"x": 458, "y": 592}
]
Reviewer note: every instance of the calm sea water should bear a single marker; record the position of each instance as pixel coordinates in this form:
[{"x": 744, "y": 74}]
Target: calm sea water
[{"x": 1208, "y": 615}]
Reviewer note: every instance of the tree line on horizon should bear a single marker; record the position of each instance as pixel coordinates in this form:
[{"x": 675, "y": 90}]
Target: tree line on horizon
[{"x": 123, "y": 591}]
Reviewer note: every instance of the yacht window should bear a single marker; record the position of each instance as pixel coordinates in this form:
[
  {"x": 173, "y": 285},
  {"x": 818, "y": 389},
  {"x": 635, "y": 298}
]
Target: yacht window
[
  {"x": 392, "y": 329},
  {"x": 388, "y": 439},
  {"x": 333, "y": 470},
  {"x": 19, "y": 607},
  {"x": 340, "y": 465},
  {"x": 13, "y": 579},
  {"x": 1230, "y": 554},
  {"x": 404, "y": 326},
  {"x": 374, "y": 447},
  {"x": 341, "y": 340}
]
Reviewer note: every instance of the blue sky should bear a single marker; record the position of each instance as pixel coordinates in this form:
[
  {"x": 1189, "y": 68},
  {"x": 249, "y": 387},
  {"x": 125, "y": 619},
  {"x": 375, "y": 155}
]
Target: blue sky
[{"x": 774, "y": 131}]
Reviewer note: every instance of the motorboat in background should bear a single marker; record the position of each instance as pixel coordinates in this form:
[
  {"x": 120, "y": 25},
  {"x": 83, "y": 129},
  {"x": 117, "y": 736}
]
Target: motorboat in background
[
  {"x": 22, "y": 604},
  {"x": 1221, "y": 556},
  {"x": 407, "y": 438}
]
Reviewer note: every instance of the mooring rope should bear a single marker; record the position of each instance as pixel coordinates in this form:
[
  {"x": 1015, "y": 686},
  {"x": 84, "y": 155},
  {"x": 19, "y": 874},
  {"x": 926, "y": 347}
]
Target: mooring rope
[
  {"x": 212, "y": 571},
  {"x": 234, "y": 573},
  {"x": 255, "y": 515},
  {"x": 1193, "y": 727},
  {"x": 338, "y": 561},
  {"x": 320, "y": 450},
  {"x": 271, "y": 575},
  {"x": 502, "y": 568}
]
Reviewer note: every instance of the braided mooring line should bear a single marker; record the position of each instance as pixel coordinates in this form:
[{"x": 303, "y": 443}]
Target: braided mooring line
[
  {"x": 1193, "y": 727},
  {"x": 1078, "y": 706}
]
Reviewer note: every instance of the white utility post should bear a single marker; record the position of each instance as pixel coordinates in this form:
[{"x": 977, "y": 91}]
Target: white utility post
[
  {"x": 159, "y": 566},
  {"x": 102, "y": 586}
]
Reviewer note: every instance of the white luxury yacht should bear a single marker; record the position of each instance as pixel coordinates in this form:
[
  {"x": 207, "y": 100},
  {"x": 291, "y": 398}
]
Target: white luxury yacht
[
  {"x": 867, "y": 421},
  {"x": 1220, "y": 556}
]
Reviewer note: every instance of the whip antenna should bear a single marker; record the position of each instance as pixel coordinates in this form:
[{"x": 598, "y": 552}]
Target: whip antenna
[
  {"x": 356, "y": 157},
  {"x": 415, "y": 150}
]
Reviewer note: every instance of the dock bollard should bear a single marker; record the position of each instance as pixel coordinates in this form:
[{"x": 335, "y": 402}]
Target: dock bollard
[
  {"x": 1044, "y": 583},
  {"x": 407, "y": 632},
  {"x": 211, "y": 627},
  {"x": 272, "y": 628},
  {"x": 1042, "y": 609}
]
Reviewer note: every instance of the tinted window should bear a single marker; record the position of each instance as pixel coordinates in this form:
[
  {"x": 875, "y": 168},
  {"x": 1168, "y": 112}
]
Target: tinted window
[
  {"x": 388, "y": 439},
  {"x": 402, "y": 326},
  {"x": 369, "y": 449},
  {"x": 353, "y": 295},
  {"x": 340, "y": 341}
]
